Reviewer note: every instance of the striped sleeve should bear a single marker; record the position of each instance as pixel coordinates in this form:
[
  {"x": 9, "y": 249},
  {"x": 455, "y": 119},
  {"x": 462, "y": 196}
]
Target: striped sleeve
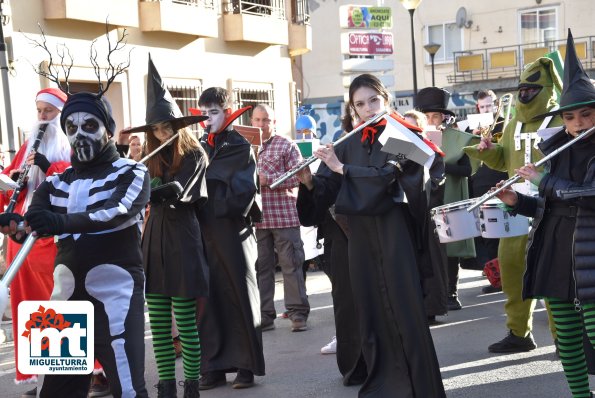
[{"x": 126, "y": 200}]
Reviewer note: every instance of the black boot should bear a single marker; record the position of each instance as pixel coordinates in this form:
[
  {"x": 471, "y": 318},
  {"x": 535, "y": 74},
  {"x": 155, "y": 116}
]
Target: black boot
[
  {"x": 166, "y": 389},
  {"x": 190, "y": 388}
]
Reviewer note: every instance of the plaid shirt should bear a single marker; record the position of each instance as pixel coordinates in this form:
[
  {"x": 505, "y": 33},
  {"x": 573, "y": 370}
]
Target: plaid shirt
[{"x": 276, "y": 156}]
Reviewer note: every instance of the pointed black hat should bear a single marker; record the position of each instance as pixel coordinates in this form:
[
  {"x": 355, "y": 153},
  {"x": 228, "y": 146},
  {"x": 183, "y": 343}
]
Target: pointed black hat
[
  {"x": 161, "y": 107},
  {"x": 577, "y": 89},
  {"x": 433, "y": 99}
]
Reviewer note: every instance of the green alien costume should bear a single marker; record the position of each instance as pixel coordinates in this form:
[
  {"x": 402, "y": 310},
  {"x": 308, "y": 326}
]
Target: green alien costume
[{"x": 509, "y": 154}]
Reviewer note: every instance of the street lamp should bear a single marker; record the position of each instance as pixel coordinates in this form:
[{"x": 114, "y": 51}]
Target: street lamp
[
  {"x": 411, "y": 5},
  {"x": 432, "y": 49}
]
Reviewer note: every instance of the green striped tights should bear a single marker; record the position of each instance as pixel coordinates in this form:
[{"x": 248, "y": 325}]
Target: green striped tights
[
  {"x": 569, "y": 330},
  {"x": 160, "y": 317}
]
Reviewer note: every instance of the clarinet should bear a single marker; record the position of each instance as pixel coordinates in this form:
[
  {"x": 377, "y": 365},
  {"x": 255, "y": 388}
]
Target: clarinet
[{"x": 21, "y": 182}]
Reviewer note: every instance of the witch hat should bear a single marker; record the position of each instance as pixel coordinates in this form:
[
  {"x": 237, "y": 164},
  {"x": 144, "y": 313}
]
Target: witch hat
[
  {"x": 577, "y": 88},
  {"x": 161, "y": 107}
]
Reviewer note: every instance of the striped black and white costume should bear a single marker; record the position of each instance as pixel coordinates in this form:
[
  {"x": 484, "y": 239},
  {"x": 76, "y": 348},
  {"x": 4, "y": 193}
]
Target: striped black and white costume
[{"x": 99, "y": 259}]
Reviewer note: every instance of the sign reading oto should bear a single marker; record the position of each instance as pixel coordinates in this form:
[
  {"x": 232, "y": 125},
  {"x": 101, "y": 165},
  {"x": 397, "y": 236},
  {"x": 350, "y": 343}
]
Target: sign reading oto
[{"x": 56, "y": 337}]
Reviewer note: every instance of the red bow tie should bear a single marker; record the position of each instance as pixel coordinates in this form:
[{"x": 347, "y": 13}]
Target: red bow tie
[
  {"x": 369, "y": 132},
  {"x": 211, "y": 140}
]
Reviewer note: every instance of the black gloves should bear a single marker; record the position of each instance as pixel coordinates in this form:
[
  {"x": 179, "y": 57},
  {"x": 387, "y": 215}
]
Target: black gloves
[
  {"x": 41, "y": 161},
  {"x": 169, "y": 192},
  {"x": 5, "y": 219},
  {"x": 44, "y": 222}
]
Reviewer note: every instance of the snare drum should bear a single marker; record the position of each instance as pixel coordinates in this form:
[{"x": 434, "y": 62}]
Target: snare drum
[
  {"x": 454, "y": 222},
  {"x": 498, "y": 223}
]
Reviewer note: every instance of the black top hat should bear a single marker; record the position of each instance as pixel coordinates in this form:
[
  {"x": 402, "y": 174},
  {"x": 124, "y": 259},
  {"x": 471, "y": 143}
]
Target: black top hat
[
  {"x": 577, "y": 90},
  {"x": 161, "y": 107},
  {"x": 433, "y": 99}
]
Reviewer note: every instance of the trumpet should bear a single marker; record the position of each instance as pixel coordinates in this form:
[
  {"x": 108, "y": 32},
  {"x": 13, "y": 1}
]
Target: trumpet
[
  {"x": 516, "y": 177},
  {"x": 290, "y": 173}
]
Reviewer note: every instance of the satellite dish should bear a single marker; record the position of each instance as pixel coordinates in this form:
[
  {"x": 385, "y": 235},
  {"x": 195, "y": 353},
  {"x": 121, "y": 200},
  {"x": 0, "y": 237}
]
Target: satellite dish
[{"x": 461, "y": 19}]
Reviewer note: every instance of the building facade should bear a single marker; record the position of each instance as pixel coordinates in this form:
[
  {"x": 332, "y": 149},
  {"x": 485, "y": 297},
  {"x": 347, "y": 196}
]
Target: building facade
[
  {"x": 483, "y": 44},
  {"x": 248, "y": 47}
]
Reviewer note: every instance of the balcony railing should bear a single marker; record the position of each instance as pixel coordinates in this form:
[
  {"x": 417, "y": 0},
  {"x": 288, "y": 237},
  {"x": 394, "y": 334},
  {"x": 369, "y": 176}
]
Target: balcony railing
[
  {"x": 270, "y": 8},
  {"x": 508, "y": 61},
  {"x": 208, "y": 4},
  {"x": 300, "y": 12}
]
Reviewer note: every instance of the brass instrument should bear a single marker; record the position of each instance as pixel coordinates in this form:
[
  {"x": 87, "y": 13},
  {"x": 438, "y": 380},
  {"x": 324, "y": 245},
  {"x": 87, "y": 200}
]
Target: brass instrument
[
  {"x": 22, "y": 180},
  {"x": 507, "y": 99},
  {"x": 503, "y": 109},
  {"x": 290, "y": 173},
  {"x": 516, "y": 177}
]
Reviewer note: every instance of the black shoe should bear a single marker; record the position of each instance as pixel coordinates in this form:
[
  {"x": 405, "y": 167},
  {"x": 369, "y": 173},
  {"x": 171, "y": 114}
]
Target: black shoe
[
  {"x": 211, "y": 380},
  {"x": 30, "y": 394},
  {"x": 191, "y": 389},
  {"x": 166, "y": 389},
  {"x": 454, "y": 304},
  {"x": 490, "y": 289},
  {"x": 512, "y": 343},
  {"x": 432, "y": 320},
  {"x": 244, "y": 379},
  {"x": 99, "y": 387},
  {"x": 267, "y": 325}
]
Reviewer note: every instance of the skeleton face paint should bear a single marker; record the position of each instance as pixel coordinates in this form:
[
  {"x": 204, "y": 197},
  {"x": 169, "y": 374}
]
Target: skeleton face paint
[{"x": 87, "y": 135}]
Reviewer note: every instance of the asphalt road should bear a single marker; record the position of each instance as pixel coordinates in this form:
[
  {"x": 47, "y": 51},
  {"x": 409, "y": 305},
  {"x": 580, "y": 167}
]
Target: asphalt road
[{"x": 295, "y": 367}]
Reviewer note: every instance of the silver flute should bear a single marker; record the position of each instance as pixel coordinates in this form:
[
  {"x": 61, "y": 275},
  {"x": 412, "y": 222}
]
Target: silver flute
[
  {"x": 516, "y": 177},
  {"x": 290, "y": 173}
]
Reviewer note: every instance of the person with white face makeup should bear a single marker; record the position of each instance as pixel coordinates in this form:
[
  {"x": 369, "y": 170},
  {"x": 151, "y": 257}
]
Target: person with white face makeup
[
  {"x": 230, "y": 329},
  {"x": 95, "y": 209},
  {"x": 34, "y": 281}
]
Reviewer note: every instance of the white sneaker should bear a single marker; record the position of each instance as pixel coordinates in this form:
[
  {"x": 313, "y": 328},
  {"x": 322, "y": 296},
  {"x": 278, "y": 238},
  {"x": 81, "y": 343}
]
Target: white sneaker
[{"x": 330, "y": 348}]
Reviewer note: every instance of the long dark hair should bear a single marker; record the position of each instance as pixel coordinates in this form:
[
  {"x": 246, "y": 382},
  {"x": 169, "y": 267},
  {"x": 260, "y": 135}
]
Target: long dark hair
[
  {"x": 365, "y": 80},
  {"x": 182, "y": 145}
]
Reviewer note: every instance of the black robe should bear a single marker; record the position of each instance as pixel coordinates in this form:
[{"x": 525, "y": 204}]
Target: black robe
[
  {"x": 230, "y": 328},
  {"x": 433, "y": 260},
  {"x": 395, "y": 339},
  {"x": 173, "y": 252}
]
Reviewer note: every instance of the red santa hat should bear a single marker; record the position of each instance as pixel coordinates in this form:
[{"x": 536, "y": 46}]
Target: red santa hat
[{"x": 53, "y": 96}]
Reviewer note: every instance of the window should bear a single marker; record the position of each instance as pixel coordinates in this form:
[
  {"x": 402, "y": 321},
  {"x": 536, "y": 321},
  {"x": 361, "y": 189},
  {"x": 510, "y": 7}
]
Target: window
[
  {"x": 252, "y": 96},
  {"x": 538, "y": 26},
  {"x": 186, "y": 96},
  {"x": 300, "y": 12},
  {"x": 450, "y": 38}
]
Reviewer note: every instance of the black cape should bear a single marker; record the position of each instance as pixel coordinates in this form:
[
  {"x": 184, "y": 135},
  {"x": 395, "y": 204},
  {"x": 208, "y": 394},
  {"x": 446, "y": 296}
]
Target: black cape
[
  {"x": 230, "y": 329},
  {"x": 173, "y": 252}
]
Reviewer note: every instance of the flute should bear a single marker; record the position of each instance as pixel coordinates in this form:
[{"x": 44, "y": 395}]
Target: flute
[
  {"x": 290, "y": 173},
  {"x": 516, "y": 177}
]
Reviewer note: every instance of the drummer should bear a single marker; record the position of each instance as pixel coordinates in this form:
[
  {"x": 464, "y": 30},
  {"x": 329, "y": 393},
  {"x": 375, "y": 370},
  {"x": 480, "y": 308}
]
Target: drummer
[
  {"x": 433, "y": 101},
  {"x": 560, "y": 272}
]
